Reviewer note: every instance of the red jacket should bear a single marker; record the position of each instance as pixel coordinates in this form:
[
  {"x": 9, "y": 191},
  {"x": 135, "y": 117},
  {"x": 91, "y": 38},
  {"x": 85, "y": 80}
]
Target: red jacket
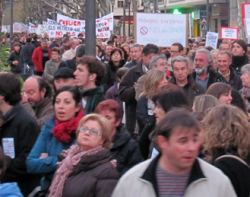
[{"x": 37, "y": 58}]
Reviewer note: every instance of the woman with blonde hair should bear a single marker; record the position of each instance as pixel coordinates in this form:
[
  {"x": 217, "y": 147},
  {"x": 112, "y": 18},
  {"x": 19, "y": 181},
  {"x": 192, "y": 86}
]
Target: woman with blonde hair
[
  {"x": 227, "y": 137},
  {"x": 86, "y": 169},
  {"x": 204, "y": 102},
  {"x": 154, "y": 80}
]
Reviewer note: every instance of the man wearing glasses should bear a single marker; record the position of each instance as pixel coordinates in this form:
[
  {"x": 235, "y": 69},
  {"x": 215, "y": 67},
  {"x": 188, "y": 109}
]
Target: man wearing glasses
[{"x": 175, "y": 50}]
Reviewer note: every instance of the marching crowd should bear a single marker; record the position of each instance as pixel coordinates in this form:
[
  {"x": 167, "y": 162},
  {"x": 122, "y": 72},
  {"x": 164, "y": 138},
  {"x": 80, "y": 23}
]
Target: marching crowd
[{"x": 133, "y": 121}]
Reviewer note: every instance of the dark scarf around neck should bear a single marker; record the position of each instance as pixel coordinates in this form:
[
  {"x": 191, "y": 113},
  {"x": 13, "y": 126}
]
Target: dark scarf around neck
[{"x": 93, "y": 98}]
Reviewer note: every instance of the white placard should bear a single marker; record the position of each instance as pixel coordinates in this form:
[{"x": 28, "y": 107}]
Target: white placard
[
  {"x": 161, "y": 29},
  {"x": 212, "y": 39},
  {"x": 9, "y": 147},
  {"x": 32, "y": 28},
  {"x": 229, "y": 33},
  {"x": 155, "y": 153},
  {"x": 42, "y": 29}
]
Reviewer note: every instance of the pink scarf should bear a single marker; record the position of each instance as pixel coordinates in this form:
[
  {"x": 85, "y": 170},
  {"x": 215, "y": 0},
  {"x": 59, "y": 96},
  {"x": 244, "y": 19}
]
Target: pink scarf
[{"x": 73, "y": 156}]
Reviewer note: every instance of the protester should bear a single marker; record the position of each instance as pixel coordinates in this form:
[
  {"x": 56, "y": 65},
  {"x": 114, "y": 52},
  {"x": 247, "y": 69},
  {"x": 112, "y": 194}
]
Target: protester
[
  {"x": 227, "y": 136},
  {"x": 204, "y": 102},
  {"x": 238, "y": 101},
  {"x": 106, "y": 57},
  {"x": 127, "y": 86},
  {"x": 224, "y": 68},
  {"x": 40, "y": 56},
  {"x": 88, "y": 76},
  {"x": 177, "y": 167},
  {"x": 80, "y": 52},
  {"x": 58, "y": 134},
  {"x": 37, "y": 100},
  {"x": 239, "y": 51},
  {"x": 25, "y": 55},
  {"x": 135, "y": 54},
  {"x": 64, "y": 77},
  {"x": 156, "y": 63},
  {"x": 113, "y": 92},
  {"x": 245, "y": 91},
  {"x": 7, "y": 189},
  {"x": 154, "y": 80},
  {"x": 65, "y": 44},
  {"x": 52, "y": 65},
  {"x": 18, "y": 134},
  {"x": 182, "y": 79},
  {"x": 225, "y": 46},
  {"x": 222, "y": 92},
  {"x": 71, "y": 53},
  {"x": 35, "y": 41},
  {"x": 14, "y": 59},
  {"x": 124, "y": 149},
  {"x": 214, "y": 54},
  {"x": 86, "y": 169},
  {"x": 204, "y": 74},
  {"x": 176, "y": 49}
]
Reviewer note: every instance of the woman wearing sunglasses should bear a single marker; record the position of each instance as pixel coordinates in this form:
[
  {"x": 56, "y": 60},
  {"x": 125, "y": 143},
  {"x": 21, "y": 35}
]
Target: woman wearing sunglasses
[{"x": 86, "y": 169}]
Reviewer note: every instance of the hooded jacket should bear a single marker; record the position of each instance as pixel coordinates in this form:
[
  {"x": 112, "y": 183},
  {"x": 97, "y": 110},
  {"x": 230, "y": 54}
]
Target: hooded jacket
[
  {"x": 125, "y": 150},
  {"x": 10, "y": 190}
]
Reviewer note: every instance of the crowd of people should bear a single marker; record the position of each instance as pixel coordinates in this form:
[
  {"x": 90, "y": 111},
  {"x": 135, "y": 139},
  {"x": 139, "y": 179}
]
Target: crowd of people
[{"x": 132, "y": 121}]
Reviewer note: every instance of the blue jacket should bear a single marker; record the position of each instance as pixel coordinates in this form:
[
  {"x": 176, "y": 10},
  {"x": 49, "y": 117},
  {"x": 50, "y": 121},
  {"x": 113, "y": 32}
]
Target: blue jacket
[
  {"x": 10, "y": 190},
  {"x": 46, "y": 143}
]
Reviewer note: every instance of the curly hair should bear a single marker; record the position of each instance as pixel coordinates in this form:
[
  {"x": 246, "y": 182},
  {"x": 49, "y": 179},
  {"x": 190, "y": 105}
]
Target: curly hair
[{"x": 226, "y": 127}]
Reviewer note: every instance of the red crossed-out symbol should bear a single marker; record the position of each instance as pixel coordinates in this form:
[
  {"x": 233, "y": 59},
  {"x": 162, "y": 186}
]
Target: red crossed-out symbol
[{"x": 144, "y": 30}]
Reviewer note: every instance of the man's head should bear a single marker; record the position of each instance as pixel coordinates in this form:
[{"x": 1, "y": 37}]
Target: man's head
[
  {"x": 44, "y": 44},
  {"x": 80, "y": 35},
  {"x": 28, "y": 40},
  {"x": 136, "y": 52},
  {"x": 55, "y": 53},
  {"x": 178, "y": 139},
  {"x": 225, "y": 46},
  {"x": 239, "y": 48},
  {"x": 224, "y": 61},
  {"x": 159, "y": 63},
  {"x": 80, "y": 50},
  {"x": 75, "y": 43},
  {"x": 36, "y": 89},
  {"x": 148, "y": 52},
  {"x": 214, "y": 54},
  {"x": 202, "y": 61},
  {"x": 180, "y": 68},
  {"x": 120, "y": 73},
  {"x": 176, "y": 50},
  {"x": 108, "y": 49},
  {"x": 10, "y": 89},
  {"x": 64, "y": 77},
  {"x": 89, "y": 72},
  {"x": 66, "y": 43}
]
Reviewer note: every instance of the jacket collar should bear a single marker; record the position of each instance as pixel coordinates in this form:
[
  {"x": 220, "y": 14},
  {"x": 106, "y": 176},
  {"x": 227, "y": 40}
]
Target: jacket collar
[
  {"x": 190, "y": 81},
  {"x": 11, "y": 114},
  {"x": 150, "y": 173},
  {"x": 138, "y": 68}
]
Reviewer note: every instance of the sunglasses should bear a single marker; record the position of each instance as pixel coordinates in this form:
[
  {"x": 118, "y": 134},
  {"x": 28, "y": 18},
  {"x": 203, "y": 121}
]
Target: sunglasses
[{"x": 91, "y": 131}]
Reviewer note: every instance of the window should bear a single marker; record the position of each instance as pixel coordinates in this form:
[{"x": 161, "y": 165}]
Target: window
[{"x": 120, "y": 4}]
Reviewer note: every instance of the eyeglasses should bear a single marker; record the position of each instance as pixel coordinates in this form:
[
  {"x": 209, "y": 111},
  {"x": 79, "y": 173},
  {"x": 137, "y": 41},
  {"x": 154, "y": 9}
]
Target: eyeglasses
[
  {"x": 91, "y": 131},
  {"x": 174, "y": 51}
]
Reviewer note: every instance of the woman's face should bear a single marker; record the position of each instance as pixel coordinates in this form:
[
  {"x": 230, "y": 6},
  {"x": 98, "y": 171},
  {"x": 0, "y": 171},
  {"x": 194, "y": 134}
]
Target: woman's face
[
  {"x": 110, "y": 115},
  {"x": 163, "y": 82},
  {"x": 225, "y": 99},
  {"x": 90, "y": 135},
  {"x": 65, "y": 106},
  {"x": 17, "y": 48},
  {"x": 159, "y": 113},
  {"x": 116, "y": 57},
  {"x": 245, "y": 79}
]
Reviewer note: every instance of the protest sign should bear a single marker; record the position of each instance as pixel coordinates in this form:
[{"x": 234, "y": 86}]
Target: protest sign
[
  {"x": 6, "y": 28},
  {"x": 245, "y": 7},
  {"x": 109, "y": 18},
  {"x": 229, "y": 33},
  {"x": 212, "y": 39},
  {"x": 161, "y": 29},
  {"x": 19, "y": 27},
  {"x": 42, "y": 29},
  {"x": 32, "y": 28}
]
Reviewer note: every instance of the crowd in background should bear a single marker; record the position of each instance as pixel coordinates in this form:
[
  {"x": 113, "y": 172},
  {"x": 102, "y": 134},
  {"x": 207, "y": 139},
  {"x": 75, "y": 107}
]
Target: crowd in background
[{"x": 132, "y": 121}]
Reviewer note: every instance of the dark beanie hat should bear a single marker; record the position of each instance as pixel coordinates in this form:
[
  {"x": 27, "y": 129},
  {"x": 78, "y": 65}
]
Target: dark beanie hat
[{"x": 64, "y": 73}]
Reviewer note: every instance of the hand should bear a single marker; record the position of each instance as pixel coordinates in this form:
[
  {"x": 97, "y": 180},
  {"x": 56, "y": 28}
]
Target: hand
[
  {"x": 43, "y": 155},
  {"x": 114, "y": 162},
  {"x": 15, "y": 62}
]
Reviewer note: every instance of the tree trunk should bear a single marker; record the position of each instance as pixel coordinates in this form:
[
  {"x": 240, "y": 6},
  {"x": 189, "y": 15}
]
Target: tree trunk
[
  {"x": 242, "y": 33},
  {"x": 1, "y": 16}
]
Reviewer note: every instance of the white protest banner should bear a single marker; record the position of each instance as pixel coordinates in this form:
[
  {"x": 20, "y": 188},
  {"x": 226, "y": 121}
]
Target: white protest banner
[
  {"x": 109, "y": 18},
  {"x": 20, "y": 27},
  {"x": 6, "y": 28},
  {"x": 45, "y": 23},
  {"x": 161, "y": 29},
  {"x": 42, "y": 29},
  {"x": 247, "y": 26},
  {"x": 229, "y": 33},
  {"x": 71, "y": 22},
  {"x": 212, "y": 39},
  {"x": 245, "y": 7},
  {"x": 32, "y": 28}
]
